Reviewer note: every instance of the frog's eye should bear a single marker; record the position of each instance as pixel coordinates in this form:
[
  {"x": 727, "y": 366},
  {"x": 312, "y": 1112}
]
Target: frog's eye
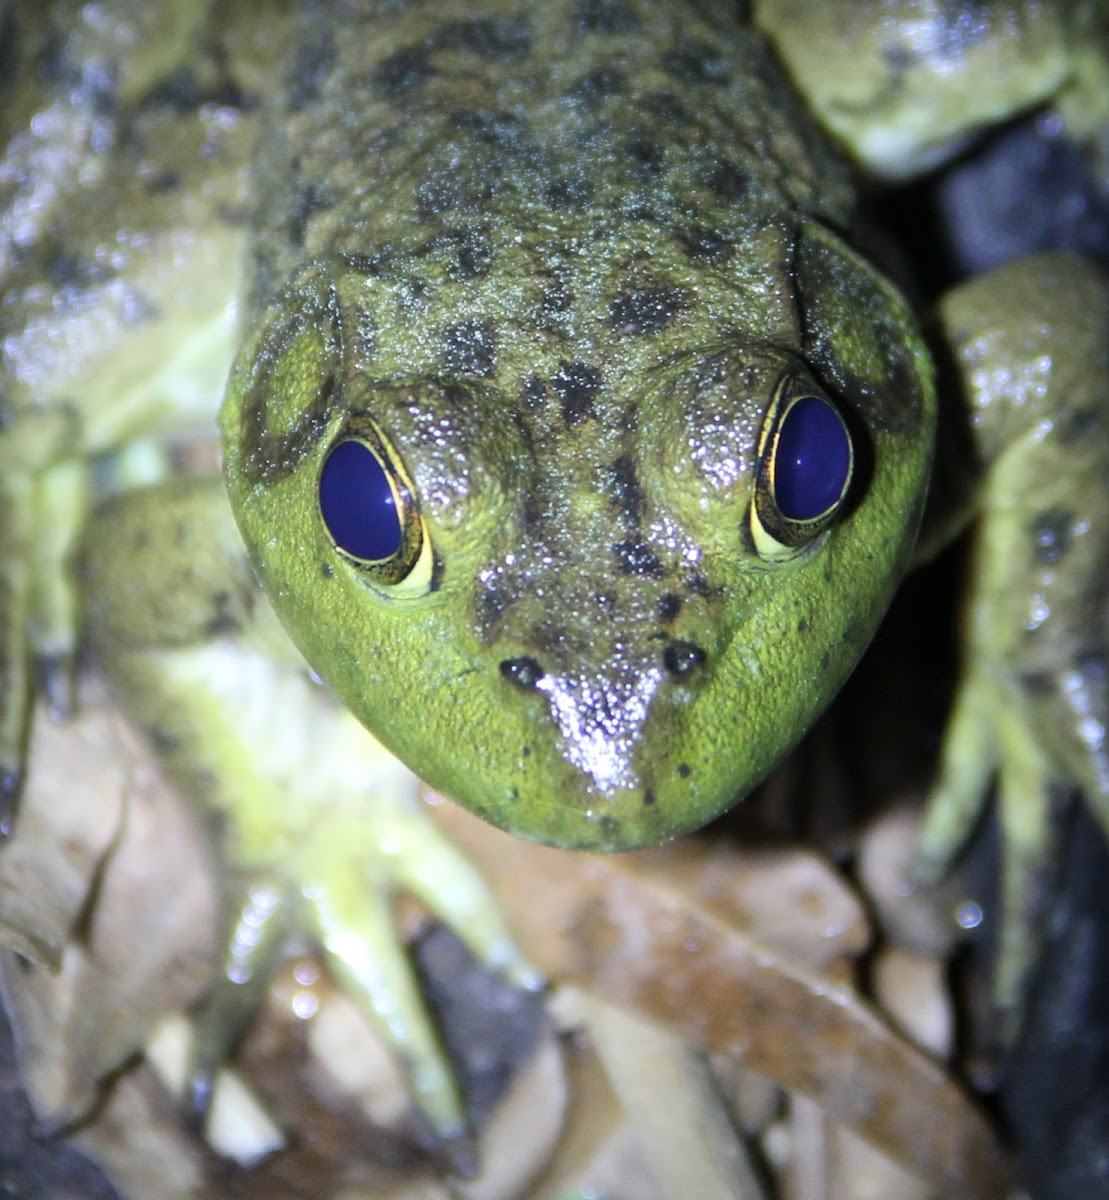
[
  {"x": 805, "y": 463},
  {"x": 367, "y": 506}
]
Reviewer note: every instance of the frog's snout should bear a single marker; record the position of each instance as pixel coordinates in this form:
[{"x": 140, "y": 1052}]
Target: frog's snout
[{"x": 605, "y": 759}]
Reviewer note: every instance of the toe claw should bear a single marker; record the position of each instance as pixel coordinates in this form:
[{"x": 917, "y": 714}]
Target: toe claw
[
  {"x": 56, "y": 683},
  {"x": 11, "y": 783}
]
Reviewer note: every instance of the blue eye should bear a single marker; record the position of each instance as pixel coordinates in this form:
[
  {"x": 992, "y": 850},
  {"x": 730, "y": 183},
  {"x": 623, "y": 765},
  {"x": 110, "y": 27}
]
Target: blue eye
[
  {"x": 358, "y": 505},
  {"x": 812, "y": 460}
]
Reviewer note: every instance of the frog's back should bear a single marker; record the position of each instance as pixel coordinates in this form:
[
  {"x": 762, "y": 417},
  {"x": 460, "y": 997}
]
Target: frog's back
[{"x": 576, "y": 117}]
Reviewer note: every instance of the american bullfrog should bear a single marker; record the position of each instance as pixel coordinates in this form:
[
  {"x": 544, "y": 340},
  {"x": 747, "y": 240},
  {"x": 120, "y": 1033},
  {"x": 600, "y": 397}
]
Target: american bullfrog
[{"x": 578, "y": 428}]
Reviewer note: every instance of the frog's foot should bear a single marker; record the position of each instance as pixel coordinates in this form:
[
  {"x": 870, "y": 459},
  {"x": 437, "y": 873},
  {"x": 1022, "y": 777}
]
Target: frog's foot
[
  {"x": 990, "y": 735},
  {"x": 1029, "y": 352},
  {"x": 349, "y": 875}
]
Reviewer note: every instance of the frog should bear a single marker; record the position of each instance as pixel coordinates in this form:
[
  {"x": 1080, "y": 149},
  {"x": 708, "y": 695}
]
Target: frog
[{"x": 577, "y": 430}]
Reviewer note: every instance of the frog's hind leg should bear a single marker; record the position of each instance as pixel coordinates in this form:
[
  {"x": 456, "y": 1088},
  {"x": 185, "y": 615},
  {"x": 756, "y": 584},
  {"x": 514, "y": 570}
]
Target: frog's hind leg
[{"x": 1031, "y": 356}]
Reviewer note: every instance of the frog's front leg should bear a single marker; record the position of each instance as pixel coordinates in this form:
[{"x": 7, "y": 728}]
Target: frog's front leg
[
  {"x": 319, "y": 824},
  {"x": 1030, "y": 349}
]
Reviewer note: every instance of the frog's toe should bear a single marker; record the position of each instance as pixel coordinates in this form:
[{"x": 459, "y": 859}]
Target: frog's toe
[
  {"x": 355, "y": 922},
  {"x": 430, "y": 867},
  {"x": 967, "y": 765},
  {"x": 992, "y": 736},
  {"x": 256, "y": 935}
]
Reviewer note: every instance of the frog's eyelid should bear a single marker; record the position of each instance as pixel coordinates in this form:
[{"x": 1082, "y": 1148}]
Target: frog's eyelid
[{"x": 804, "y": 471}]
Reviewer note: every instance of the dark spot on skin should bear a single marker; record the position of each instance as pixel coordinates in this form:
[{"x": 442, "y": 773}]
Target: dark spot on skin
[
  {"x": 645, "y": 310},
  {"x": 599, "y": 85},
  {"x": 222, "y": 624},
  {"x": 728, "y": 182},
  {"x": 533, "y": 510},
  {"x": 327, "y": 570},
  {"x": 525, "y": 752},
  {"x": 625, "y": 488},
  {"x": 163, "y": 183},
  {"x": 490, "y": 607},
  {"x": 802, "y": 625},
  {"x": 523, "y": 672},
  {"x": 474, "y": 255},
  {"x": 513, "y": 794},
  {"x": 402, "y": 73},
  {"x": 312, "y": 62},
  {"x": 669, "y": 606},
  {"x": 698, "y": 585},
  {"x": 666, "y": 106},
  {"x": 470, "y": 348},
  {"x": 66, "y": 270},
  {"x": 645, "y": 154},
  {"x": 440, "y": 194},
  {"x": 825, "y": 660},
  {"x": 684, "y": 770},
  {"x": 696, "y": 62},
  {"x": 507, "y": 132},
  {"x": 568, "y": 193},
  {"x": 576, "y": 384},
  {"x": 649, "y": 799},
  {"x": 605, "y": 16},
  {"x": 488, "y": 37},
  {"x": 609, "y": 827},
  {"x": 637, "y": 558},
  {"x": 161, "y": 739},
  {"x": 699, "y": 243},
  {"x": 683, "y": 658},
  {"x": 1093, "y": 664},
  {"x": 1051, "y": 536},
  {"x": 534, "y": 394},
  {"x": 310, "y": 199},
  {"x": 557, "y": 299},
  {"x": 183, "y": 93},
  {"x": 436, "y": 580},
  {"x": 1038, "y": 682},
  {"x": 1077, "y": 426}
]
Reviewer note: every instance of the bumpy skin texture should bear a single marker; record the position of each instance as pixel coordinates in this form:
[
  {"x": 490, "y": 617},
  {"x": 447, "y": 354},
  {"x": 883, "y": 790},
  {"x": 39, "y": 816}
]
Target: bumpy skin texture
[{"x": 597, "y": 242}]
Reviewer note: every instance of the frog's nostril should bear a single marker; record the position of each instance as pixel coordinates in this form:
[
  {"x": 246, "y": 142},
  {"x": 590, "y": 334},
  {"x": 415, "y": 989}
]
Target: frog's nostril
[
  {"x": 683, "y": 658},
  {"x": 524, "y": 672}
]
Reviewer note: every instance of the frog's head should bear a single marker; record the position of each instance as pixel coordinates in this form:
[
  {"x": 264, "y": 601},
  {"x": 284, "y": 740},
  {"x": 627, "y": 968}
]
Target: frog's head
[{"x": 595, "y": 622}]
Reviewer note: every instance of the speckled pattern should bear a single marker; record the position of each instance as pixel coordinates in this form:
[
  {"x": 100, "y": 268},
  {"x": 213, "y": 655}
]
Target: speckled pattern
[{"x": 564, "y": 253}]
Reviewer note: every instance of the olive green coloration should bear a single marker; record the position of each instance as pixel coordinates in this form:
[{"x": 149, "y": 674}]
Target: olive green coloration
[
  {"x": 571, "y": 313},
  {"x": 564, "y": 272}
]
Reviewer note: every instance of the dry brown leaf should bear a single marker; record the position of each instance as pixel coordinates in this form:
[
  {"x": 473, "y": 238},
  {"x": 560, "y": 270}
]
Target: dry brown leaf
[{"x": 614, "y": 926}]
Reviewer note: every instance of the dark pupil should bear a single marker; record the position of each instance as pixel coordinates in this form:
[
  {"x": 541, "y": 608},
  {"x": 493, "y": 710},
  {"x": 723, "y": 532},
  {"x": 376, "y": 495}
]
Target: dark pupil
[
  {"x": 357, "y": 503},
  {"x": 812, "y": 461}
]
